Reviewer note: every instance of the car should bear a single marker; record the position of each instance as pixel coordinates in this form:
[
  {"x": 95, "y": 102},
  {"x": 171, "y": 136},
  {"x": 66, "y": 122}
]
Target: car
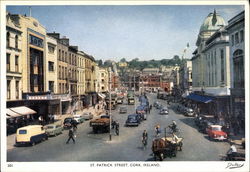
[
  {"x": 53, "y": 129},
  {"x": 188, "y": 111},
  {"x": 120, "y": 100},
  {"x": 141, "y": 111},
  {"x": 164, "y": 111},
  {"x": 78, "y": 118},
  {"x": 133, "y": 120},
  {"x": 123, "y": 109},
  {"x": 87, "y": 115},
  {"x": 68, "y": 122},
  {"x": 160, "y": 106},
  {"x": 215, "y": 132},
  {"x": 156, "y": 104}
]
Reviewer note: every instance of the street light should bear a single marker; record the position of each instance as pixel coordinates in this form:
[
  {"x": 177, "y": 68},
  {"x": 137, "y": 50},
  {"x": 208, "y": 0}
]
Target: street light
[{"x": 110, "y": 120}]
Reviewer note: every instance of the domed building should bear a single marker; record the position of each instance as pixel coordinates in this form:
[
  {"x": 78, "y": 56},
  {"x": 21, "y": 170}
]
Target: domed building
[{"x": 211, "y": 66}]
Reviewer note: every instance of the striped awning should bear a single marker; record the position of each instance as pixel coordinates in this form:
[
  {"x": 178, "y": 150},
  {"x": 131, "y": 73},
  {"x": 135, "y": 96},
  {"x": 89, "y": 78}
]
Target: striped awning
[{"x": 19, "y": 111}]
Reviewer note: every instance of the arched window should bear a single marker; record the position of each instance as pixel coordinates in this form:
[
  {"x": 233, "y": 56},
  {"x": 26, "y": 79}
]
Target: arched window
[
  {"x": 238, "y": 63},
  {"x": 8, "y": 39},
  {"x": 16, "y": 41}
]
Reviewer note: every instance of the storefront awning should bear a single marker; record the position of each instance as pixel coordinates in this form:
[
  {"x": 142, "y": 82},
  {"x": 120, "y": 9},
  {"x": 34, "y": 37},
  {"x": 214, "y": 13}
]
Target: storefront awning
[
  {"x": 101, "y": 95},
  {"x": 199, "y": 98},
  {"x": 10, "y": 113},
  {"x": 22, "y": 110}
]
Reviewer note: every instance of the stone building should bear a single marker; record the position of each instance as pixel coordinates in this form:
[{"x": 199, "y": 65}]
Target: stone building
[
  {"x": 51, "y": 65},
  {"x": 13, "y": 58},
  {"x": 185, "y": 74},
  {"x": 210, "y": 64},
  {"x": 103, "y": 80},
  {"x": 236, "y": 32}
]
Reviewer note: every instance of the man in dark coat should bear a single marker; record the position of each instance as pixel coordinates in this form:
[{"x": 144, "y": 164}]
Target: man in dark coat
[
  {"x": 71, "y": 135},
  {"x": 117, "y": 128}
]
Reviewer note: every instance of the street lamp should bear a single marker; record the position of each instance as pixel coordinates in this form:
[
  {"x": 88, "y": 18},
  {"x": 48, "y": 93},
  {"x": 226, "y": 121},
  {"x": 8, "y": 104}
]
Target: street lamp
[{"x": 110, "y": 119}]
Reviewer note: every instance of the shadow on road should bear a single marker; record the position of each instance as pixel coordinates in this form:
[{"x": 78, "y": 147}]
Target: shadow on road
[{"x": 190, "y": 122}]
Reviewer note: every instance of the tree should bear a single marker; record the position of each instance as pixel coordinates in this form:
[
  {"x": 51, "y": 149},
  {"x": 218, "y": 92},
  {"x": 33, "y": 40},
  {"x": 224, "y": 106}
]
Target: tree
[
  {"x": 100, "y": 63},
  {"x": 123, "y": 60}
]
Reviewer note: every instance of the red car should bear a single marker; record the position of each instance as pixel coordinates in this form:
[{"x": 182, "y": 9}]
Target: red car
[{"x": 215, "y": 133}]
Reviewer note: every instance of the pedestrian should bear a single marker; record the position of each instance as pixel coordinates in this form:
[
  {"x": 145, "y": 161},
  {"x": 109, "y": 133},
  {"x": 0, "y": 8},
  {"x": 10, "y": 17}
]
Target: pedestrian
[
  {"x": 40, "y": 120},
  {"x": 157, "y": 130},
  {"x": 149, "y": 110},
  {"x": 117, "y": 128},
  {"x": 71, "y": 135},
  {"x": 113, "y": 124}
]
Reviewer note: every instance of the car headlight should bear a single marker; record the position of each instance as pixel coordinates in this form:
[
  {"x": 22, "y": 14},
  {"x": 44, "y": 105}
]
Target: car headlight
[{"x": 215, "y": 135}]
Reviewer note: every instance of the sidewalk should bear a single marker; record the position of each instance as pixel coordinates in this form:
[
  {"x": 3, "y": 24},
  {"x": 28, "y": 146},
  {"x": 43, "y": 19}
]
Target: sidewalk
[{"x": 59, "y": 119}]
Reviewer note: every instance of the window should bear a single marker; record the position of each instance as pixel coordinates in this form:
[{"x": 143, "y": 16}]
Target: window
[
  {"x": 16, "y": 63},
  {"x": 8, "y": 39},
  {"x": 16, "y": 42},
  {"x": 238, "y": 62},
  {"x": 62, "y": 55},
  {"x": 51, "y": 86},
  {"x": 237, "y": 38},
  {"x": 59, "y": 54},
  {"x": 8, "y": 89},
  {"x": 35, "y": 41},
  {"x": 222, "y": 65},
  {"x": 102, "y": 74},
  {"x": 8, "y": 62},
  {"x": 63, "y": 73},
  {"x": 17, "y": 89},
  {"x": 232, "y": 40},
  {"x": 241, "y": 36},
  {"x": 51, "y": 49},
  {"x": 51, "y": 66},
  {"x": 66, "y": 56}
]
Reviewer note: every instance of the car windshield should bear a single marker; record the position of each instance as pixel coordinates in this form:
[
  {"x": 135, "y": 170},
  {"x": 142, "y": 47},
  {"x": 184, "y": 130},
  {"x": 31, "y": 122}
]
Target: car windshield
[
  {"x": 216, "y": 128},
  {"x": 123, "y": 108},
  {"x": 22, "y": 131},
  {"x": 68, "y": 120},
  {"x": 132, "y": 117},
  {"x": 50, "y": 127}
]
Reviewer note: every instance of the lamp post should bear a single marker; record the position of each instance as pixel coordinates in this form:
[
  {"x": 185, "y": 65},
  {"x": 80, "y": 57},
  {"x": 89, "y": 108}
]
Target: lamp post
[{"x": 110, "y": 118}]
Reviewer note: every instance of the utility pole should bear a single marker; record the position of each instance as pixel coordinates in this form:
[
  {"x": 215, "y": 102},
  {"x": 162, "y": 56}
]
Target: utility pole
[{"x": 110, "y": 118}]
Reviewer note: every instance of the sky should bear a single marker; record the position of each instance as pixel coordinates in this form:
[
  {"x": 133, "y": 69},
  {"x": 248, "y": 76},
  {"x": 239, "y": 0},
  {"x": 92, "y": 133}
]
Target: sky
[{"x": 116, "y": 31}]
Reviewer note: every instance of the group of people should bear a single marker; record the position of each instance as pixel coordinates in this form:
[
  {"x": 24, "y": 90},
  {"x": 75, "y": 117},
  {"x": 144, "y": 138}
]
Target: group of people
[{"x": 157, "y": 128}]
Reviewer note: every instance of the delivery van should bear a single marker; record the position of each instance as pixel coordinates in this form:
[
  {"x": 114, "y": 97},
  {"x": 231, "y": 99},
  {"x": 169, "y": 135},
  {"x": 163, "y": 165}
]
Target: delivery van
[{"x": 31, "y": 134}]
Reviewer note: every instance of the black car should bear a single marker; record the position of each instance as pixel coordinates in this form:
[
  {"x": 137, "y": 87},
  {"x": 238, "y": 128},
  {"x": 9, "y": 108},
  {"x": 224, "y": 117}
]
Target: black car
[
  {"x": 164, "y": 111},
  {"x": 69, "y": 122},
  {"x": 133, "y": 120}
]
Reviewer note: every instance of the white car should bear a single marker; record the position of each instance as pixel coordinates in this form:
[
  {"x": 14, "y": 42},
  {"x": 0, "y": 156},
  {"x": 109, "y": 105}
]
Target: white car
[{"x": 78, "y": 118}]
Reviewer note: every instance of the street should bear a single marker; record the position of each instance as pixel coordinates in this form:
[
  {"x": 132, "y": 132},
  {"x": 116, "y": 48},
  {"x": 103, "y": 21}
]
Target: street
[{"x": 125, "y": 147}]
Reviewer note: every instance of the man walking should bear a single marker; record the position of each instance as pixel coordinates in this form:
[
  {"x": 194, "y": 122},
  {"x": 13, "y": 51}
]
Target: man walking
[
  {"x": 117, "y": 128},
  {"x": 71, "y": 135}
]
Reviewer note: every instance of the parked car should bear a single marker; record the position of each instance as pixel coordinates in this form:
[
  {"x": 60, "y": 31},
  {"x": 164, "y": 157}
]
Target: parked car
[
  {"x": 188, "y": 111},
  {"x": 78, "y": 118},
  {"x": 53, "y": 129},
  {"x": 120, "y": 100},
  {"x": 68, "y": 122},
  {"x": 164, "y": 111},
  {"x": 160, "y": 106},
  {"x": 31, "y": 134},
  {"x": 215, "y": 132},
  {"x": 133, "y": 120},
  {"x": 123, "y": 109},
  {"x": 87, "y": 116}
]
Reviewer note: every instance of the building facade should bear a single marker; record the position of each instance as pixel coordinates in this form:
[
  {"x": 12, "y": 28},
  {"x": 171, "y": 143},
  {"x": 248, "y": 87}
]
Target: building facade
[
  {"x": 185, "y": 74},
  {"x": 236, "y": 32},
  {"x": 51, "y": 65},
  {"x": 103, "y": 80},
  {"x": 13, "y": 58},
  {"x": 80, "y": 73}
]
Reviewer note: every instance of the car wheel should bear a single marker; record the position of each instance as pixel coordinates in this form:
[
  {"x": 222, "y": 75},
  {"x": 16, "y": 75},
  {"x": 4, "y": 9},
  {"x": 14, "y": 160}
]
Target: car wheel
[{"x": 32, "y": 143}]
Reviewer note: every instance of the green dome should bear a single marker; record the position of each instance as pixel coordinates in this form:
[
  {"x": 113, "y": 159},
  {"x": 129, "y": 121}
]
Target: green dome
[{"x": 212, "y": 22}]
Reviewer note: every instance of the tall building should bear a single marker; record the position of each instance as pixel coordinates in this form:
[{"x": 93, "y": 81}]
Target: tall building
[
  {"x": 103, "y": 79},
  {"x": 185, "y": 74},
  {"x": 236, "y": 32},
  {"x": 210, "y": 64},
  {"x": 80, "y": 73},
  {"x": 51, "y": 65},
  {"x": 72, "y": 69},
  {"x": 13, "y": 58}
]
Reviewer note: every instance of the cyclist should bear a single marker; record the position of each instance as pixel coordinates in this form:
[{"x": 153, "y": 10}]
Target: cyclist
[
  {"x": 157, "y": 130},
  {"x": 144, "y": 138}
]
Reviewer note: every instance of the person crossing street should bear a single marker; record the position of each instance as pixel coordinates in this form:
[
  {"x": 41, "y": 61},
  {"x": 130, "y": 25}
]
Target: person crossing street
[{"x": 71, "y": 135}]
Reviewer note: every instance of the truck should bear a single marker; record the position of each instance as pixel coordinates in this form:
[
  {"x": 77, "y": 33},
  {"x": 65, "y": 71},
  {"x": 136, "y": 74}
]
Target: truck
[
  {"x": 131, "y": 97},
  {"x": 113, "y": 101},
  {"x": 101, "y": 124}
]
